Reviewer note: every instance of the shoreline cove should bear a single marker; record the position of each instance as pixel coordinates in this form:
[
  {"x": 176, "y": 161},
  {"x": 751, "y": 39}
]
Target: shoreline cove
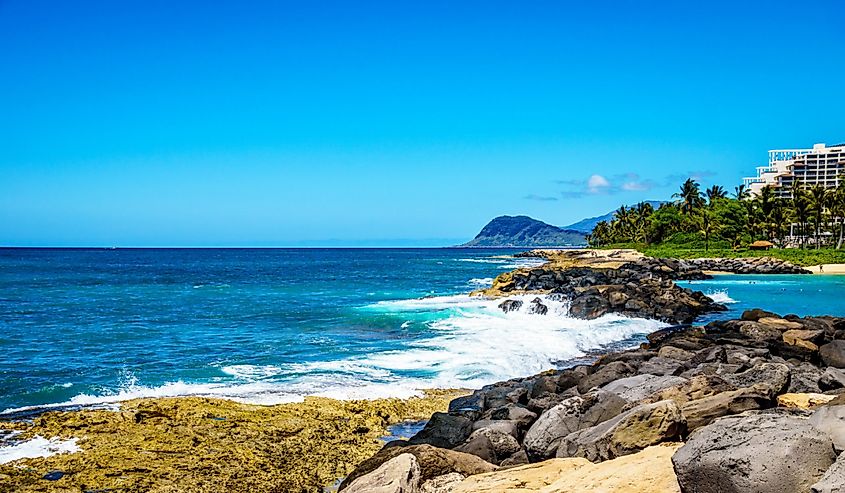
[{"x": 208, "y": 443}]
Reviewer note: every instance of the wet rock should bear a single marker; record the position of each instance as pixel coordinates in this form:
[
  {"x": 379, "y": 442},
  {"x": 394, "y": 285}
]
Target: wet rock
[
  {"x": 762, "y": 453},
  {"x": 469, "y": 406},
  {"x": 53, "y": 475},
  {"x": 510, "y": 305},
  {"x": 589, "y": 307},
  {"x": 444, "y": 430},
  {"x": 833, "y": 353},
  {"x": 631, "y": 431},
  {"x": 512, "y": 412},
  {"x": 400, "y": 474},
  {"x": 756, "y": 314},
  {"x": 537, "y": 307}
]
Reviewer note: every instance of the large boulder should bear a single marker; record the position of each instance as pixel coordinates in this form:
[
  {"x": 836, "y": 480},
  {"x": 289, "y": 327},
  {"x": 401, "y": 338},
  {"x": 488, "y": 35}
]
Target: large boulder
[
  {"x": 831, "y": 420},
  {"x": 511, "y": 412},
  {"x": 589, "y": 307},
  {"x": 833, "y": 480},
  {"x": 697, "y": 387},
  {"x": 433, "y": 462},
  {"x": 754, "y": 453},
  {"x": 444, "y": 430},
  {"x": 638, "y": 387},
  {"x": 661, "y": 366},
  {"x": 400, "y": 474},
  {"x": 831, "y": 378},
  {"x": 634, "y": 430},
  {"x": 442, "y": 484},
  {"x": 756, "y": 314},
  {"x": 833, "y": 353},
  {"x": 773, "y": 375},
  {"x": 469, "y": 406},
  {"x": 572, "y": 414},
  {"x": 606, "y": 374},
  {"x": 648, "y": 471},
  {"x": 490, "y": 444},
  {"x": 702, "y": 412}
]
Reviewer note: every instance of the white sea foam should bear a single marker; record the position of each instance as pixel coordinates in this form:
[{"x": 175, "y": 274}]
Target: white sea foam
[
  {"x": 481, "y": 282},
  {"x": 251, "y": 372},
  {"x": 36, "y": 446},
  {"x": 484, "y": 260},
  {"x": 721, "y": 296},
  {"x": 521, "y": 263},
  {"x": 473, "y": 343}
]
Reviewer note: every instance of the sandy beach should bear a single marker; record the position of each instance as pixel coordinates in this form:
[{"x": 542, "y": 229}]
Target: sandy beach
[{"x": 827, "y": 269}]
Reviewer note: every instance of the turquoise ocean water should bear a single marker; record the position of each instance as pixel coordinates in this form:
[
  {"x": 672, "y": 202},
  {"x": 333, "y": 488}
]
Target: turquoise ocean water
[{"x": 91, "y": 327}]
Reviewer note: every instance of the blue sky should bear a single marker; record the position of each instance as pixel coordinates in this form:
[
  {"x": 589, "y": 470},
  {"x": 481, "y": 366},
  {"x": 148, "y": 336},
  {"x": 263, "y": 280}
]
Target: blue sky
[{"x": 390, "y": 123}]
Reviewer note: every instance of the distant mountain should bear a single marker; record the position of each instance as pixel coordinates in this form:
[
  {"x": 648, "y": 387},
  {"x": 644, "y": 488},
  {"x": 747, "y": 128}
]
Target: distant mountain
[
  {"x": 523, "y": 231},
  {"x": 585, "y": 226}
]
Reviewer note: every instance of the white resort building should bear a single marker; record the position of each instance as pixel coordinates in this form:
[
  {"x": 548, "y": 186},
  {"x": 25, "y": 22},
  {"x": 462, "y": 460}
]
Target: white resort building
[{"x": 820, "y": 165}]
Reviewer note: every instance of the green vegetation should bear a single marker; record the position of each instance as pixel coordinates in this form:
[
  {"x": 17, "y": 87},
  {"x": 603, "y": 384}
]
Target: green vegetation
[{"x": 806, "y": 227}]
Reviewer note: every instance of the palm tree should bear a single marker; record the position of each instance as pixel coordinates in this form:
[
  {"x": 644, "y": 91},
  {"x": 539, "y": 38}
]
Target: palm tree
[
  {"x": 716, "y": 192},
  {"x": 621, "y": 222},
  {"x": 690, "y": 195},
  {"x": 708, "y": 227},
  {"x": 741, "y": 192},
  {"x": 818, "y": 205},
  {"x": 600, "y": 235},
  {"x": 800, "y": 210},
  {"x": 837, "y": 208},
  {"x": 766, "y": 203}
]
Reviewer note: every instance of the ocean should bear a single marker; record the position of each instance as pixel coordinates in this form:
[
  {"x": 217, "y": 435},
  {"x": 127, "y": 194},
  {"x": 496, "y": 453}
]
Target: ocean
[{"x": 83, "y": 327}]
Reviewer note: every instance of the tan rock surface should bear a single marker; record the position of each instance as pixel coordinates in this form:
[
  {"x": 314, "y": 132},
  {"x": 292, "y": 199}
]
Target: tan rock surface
[
  {"x": 803, "y": 401},
  {"x": 648, "y": 471}
]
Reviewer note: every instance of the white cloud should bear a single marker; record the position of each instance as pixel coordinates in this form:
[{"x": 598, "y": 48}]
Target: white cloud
[
  {"x": 635, "y": 186},
  {"x": 597, "y": 184}
]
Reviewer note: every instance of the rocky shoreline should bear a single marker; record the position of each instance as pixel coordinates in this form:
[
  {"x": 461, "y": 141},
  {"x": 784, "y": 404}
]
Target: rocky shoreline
[{"x": 755, "y": 404}]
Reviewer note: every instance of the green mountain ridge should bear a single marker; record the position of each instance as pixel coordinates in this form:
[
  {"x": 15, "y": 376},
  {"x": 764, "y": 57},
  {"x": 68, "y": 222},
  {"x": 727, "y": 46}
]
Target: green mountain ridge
[{"x": 524, "y": 231}]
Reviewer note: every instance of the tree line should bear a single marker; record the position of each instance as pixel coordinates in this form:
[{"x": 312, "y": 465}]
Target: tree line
[{"x": 812, "y": 217}]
